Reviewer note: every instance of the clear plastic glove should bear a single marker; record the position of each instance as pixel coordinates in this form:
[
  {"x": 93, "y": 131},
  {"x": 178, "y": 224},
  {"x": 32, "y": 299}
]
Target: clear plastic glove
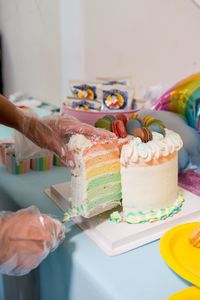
[
  {"x": 67, "y": 125},
  {"x": 195, "y": 237},
  {"x": 52, "y": 133},
  {"x": 26, "y": 238},
  {"x": 41, "y": 134}
]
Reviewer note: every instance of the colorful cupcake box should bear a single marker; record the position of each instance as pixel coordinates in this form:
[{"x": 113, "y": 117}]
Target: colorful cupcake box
[
  {"x": 3, "y": 149},
  {"x": 16, "y": 168},
  {"x": 7, "y": 157},
  {"x": 42, "y": 163}
]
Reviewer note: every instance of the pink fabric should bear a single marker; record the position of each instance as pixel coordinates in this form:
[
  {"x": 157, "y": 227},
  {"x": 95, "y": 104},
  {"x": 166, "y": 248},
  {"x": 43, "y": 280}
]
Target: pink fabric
[{"x": 190, "y": 181}]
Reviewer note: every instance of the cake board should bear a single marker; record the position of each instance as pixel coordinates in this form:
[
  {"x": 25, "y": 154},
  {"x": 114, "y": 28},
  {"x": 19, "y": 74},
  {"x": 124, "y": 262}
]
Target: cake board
[{"x": 117, "y": 238}]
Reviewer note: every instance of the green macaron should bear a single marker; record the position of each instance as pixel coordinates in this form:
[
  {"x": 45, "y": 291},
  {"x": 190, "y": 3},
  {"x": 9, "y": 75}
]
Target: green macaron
[
  {"x": 157, "y": 122},
  {"x": 104, "y": 123},
  {"x": 109, "y": 117}
]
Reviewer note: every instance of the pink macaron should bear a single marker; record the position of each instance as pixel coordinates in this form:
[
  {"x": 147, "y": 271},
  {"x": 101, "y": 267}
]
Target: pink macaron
[{"x": 119, "y": 129}]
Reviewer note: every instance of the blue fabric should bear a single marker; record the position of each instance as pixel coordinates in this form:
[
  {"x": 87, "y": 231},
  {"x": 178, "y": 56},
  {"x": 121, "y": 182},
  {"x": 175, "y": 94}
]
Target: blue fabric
[
  {"x": 21, "y": 288},
  {"x": 78, "y": 269},
  {"x": 1, "y": 288}
]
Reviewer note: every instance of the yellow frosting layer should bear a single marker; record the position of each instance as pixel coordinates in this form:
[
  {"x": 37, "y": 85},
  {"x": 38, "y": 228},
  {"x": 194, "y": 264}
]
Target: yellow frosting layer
[{"x": 106, "y": 168}]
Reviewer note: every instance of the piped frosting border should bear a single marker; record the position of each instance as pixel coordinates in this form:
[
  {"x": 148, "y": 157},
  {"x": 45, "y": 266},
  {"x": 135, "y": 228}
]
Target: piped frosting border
[
  {"x": 143, "y": 216},
  {"x": 157, "y": 148}
]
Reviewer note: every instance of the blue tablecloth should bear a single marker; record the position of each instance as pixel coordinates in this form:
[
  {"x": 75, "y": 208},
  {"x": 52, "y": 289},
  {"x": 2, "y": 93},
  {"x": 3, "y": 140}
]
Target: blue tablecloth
[{"x": 78, "y": 269}]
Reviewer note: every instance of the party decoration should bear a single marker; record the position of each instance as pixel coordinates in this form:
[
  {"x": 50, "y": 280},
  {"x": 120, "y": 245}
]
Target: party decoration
[{"x": 184, "y": 99}]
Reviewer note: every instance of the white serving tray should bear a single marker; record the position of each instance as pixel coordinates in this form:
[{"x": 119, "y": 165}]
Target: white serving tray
[{"x": 116, "y": 238}]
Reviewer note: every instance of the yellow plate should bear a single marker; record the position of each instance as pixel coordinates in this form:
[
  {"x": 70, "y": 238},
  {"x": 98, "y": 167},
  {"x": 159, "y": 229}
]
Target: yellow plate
[
  {"x": 192, "y": 293},
  {"x": 179, "y": 254}
]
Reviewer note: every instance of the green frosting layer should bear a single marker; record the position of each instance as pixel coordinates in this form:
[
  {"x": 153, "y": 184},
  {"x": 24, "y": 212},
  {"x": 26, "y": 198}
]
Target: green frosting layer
[
  {"x": 101, "y": 180},
  {"x": 102, "y": 200},
  {"x": 104, "y": 190},
  {"x": 82, "y": 209}
]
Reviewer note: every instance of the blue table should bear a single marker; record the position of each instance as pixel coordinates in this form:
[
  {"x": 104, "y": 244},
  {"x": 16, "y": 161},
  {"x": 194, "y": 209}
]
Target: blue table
[{"x": 78, "y": 269}]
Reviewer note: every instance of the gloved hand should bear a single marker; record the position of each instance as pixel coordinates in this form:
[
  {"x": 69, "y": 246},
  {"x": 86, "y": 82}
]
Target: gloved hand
[
  {"x": 37, "y": 131},
  {"x": 26, "y": 238},
  {"x": 51, "y": 133},
  {"x": 195, "y": 237},
  {"x": 67, "y": 125}
]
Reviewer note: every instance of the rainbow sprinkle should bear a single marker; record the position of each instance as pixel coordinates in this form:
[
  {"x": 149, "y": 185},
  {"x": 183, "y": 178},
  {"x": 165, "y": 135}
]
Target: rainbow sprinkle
[{"x": 73, "y": 212}]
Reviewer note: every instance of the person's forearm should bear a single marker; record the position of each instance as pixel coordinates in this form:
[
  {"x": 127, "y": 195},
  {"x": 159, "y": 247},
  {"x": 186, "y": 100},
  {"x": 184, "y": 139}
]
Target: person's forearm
[{"x": 9, "y": 114}]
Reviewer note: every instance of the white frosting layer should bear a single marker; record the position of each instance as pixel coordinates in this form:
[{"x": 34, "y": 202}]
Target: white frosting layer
[
  {"x": 152, "y": 186},
  {"x": 159, "y": 146},
  {"x": 149, "y": 187},
  {"x": 78, "y": 142}
]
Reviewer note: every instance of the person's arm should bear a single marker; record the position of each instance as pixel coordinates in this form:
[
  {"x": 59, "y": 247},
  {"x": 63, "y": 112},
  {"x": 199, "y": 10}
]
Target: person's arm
[
  {"x": 9, "y": 114},
  {"x": 32, "y": 127},
  {"x": 47, "y": 133}
]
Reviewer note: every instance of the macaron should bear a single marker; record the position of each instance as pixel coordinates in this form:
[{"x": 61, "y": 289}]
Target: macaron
[
  {"x": 133, "y": 124},
  {"x": 123, "y": 118},
  {"x": 147, "y": 119},
  {"x": 134, "y": 116},
  {"x": 104, "y": 123},
  {"x": 119, "y": 129},
  {"x": 157, "y": 128},
  {"x": 144, "y": 134},
  {"x": 155, "y": 121},
  {"x": 109, "y": 117}
]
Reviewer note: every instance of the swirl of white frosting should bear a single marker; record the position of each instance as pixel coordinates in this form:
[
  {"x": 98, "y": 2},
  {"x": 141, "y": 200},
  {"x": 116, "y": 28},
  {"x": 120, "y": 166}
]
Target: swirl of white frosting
[
  {"x": 145, "y": 152},
  {"x": 165, "y": 149},
  {"x": 159, "y": 146},
  {"x": 157, "y": 136},
  {"x": 78, "y": 142},
  {"x": 155, "y": 149},
  {"x": 135, "y": 154},
  {"x": 174, "y": 138}
]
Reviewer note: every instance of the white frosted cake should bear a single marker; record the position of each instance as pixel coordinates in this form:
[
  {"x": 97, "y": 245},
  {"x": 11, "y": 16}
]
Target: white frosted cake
[
  {"x": 149, "y": 172},
  {"x": 138, "y": 172}
]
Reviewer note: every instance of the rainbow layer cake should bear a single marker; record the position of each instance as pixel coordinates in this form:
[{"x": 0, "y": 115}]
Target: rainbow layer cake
[
  {"x": 96, "y": 180},
  {"x": 138, "y": 171}
]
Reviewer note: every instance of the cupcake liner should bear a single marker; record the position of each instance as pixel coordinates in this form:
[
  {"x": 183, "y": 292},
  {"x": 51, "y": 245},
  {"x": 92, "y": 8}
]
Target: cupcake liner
[
  {"x": 42, "y": 163},
  {"x": 56, "y": 161},
  {"x": 16, "y": 168}
]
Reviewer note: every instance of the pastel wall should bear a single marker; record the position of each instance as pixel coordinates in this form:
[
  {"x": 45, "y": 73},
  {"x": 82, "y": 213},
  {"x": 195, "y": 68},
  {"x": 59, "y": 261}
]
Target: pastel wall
[
  {"x": 72, "y": 30},
  {"x": 48, "y": 42},
  {"x": 32, "y": 47},
  {"x": 154, "y": 41}
]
